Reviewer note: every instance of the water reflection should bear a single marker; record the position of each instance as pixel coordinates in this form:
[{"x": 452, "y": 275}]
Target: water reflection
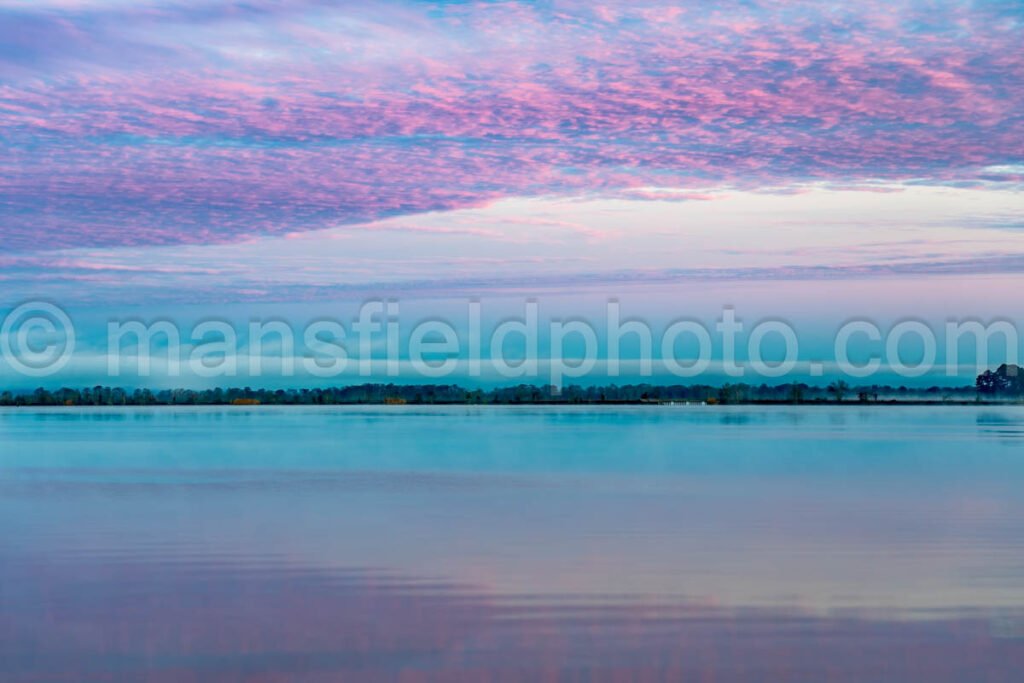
[
  {"x": 137, "y": 621},
  {"x": 1007, "y": 426},
  {"x": 826, "y": 544}
]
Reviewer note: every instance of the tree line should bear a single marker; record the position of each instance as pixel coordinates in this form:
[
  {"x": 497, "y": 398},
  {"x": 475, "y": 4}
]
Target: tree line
[{"x": 1001, "y": 383}]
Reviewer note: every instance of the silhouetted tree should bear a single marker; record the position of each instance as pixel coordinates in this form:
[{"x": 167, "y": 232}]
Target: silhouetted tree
[
  {"x": 1007, "y": 380},
  {"x": 838, "y": 389}
]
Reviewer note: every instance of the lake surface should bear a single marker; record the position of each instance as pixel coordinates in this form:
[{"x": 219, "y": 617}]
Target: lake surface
[{"x": 712, "y": 544}]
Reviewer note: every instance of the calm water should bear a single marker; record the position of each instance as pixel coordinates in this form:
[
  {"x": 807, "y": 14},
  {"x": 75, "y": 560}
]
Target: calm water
[{"x": 877, "y": 545}]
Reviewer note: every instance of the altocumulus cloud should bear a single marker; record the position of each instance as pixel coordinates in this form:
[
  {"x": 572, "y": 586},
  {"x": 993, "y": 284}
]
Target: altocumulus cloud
[{"x": 188, "y": 122}]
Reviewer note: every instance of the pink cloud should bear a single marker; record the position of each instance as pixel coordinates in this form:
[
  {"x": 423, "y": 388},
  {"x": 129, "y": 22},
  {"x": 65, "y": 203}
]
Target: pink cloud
[{"x": 314, "y": 116}]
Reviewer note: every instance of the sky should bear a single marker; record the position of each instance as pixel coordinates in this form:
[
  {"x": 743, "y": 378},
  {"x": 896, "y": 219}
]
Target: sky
[{"x": 814, "y": 162}]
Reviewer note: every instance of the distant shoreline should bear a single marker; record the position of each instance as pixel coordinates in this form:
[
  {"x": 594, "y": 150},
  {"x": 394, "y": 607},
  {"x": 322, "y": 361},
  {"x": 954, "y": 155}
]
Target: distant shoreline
[
  {"x": 552, "y": 405},
  {"x": 837, "y": 393},
  {"x": 539, "y": 404}
]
